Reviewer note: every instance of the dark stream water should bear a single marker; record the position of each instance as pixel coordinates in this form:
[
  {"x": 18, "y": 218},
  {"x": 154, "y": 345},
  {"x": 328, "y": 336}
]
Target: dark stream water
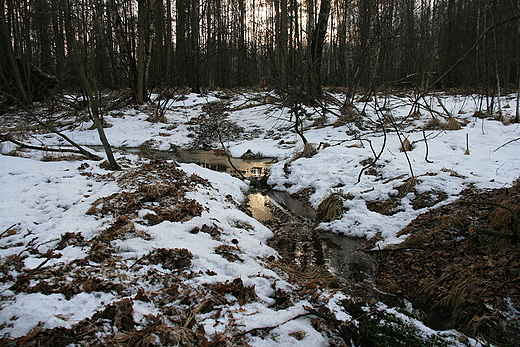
[{"x": 294, "y": 224}]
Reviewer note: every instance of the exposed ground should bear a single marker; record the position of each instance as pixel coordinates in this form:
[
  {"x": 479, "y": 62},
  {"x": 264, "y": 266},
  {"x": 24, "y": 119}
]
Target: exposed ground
[
  {"x": 124, "y": 255},
  {"x": 459, "y": 277}
]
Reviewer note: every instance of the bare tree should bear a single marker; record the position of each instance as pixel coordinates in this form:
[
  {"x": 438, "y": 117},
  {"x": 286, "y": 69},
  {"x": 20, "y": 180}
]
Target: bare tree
[
  {"x": 316, "y": 43},
  {"x": 144, "y": 47},
  {"x": 91, "y": 93}
]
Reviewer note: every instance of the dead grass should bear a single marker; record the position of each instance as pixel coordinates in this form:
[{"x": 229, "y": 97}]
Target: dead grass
[
  {"x": 309, "y": 150},
  {"x": 331, "y": 208},
  {"x": 57, "y": 157},
  {"x": 452, "y": 124},
  {"x": 434, "y": 124},
  {"x": 387, "y": 207},
  {"x": 406, "y": 146},
  {"x": 471, "y": 277}
]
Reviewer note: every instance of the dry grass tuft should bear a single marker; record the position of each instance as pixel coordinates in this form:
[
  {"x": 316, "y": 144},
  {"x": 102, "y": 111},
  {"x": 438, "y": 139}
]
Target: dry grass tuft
[
  {"x": 433, "y": 124},
  {"x": 453, "y": 124},
  {"x": 309, "y": 150},
  {"x": 407, "y": 187},
  {"x": 406, "y": 146},
  {"x": 331, "y": 208},
  {"x": 481, "y": 114},
  {"x": 500, "y": 218}
]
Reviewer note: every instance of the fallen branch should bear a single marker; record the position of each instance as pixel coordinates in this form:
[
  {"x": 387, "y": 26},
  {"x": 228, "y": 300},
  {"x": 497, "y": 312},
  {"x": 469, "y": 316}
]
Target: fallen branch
[
  {"x": 40, "y": 148},
  {"x": 7, "y": 230},
  {"x": 51, "y": 128},
  {"x": 271, "y": 327},
  {"x": 505, "y": 144}
]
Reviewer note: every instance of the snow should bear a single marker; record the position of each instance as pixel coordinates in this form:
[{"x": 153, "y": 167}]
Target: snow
[
  {"x": 52, "y": 310},
  {"x": 40, "y": 201}
]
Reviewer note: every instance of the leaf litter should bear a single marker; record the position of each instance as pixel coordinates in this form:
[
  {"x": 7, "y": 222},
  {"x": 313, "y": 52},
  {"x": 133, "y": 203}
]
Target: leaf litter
[
  {"x": 457, "y": 277},
  {"x": 154, "y": 285}
]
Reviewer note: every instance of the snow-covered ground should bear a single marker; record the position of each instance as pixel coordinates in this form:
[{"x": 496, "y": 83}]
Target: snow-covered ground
[{"x": 41, "y": 201}]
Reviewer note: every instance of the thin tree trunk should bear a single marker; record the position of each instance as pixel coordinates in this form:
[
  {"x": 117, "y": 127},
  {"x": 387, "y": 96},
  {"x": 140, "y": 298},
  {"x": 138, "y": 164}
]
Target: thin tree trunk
[
  {"x": 92, "y": 97},
  {"x": 142, "y": 11},
  {"x": 316, "y": 43},
  {"x": 8, "y": 50}
]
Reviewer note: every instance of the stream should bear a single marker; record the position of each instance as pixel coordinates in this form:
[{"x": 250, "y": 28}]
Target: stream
[
  {"x": 293, "y": 222},
  {"x": 296, "y": 237}
]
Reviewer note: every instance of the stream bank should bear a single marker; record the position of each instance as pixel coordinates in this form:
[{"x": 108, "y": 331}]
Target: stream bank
[
  {"x": 306, "y": 248},
  {"x": 296, "y": 237},
  {"x": 314, "y": 256}
]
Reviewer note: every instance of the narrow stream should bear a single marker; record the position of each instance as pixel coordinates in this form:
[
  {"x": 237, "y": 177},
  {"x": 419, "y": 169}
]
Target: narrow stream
[
  {"x": 298, "y": 240},
  {"x": 213, "y": 160},
  {"x": 296, "y": 237}
]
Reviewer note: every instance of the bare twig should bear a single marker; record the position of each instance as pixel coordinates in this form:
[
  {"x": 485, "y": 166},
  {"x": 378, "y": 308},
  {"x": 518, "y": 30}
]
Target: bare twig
[
  {"x": 376, "y": 157},
  {"x": 477, "y": 42},
  {"x": 47, "y": 126},
  {"x": 6, "y": 230},
  {"x": 505, "y": 144},
  {"x": 39, "y": 148},
  {"x": 272, "y": 326},
  {"x": 392, "y": 121},
  {"x": 426, "y": 144}
]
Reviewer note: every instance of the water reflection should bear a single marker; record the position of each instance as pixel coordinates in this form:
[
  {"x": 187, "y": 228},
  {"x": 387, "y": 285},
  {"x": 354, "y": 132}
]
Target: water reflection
[
  {"x": 259, "y": 206},
  {"x": 344, "y": 257},
  {"x": 213, "y": 160},
  {"x": 292, "y": 204}
]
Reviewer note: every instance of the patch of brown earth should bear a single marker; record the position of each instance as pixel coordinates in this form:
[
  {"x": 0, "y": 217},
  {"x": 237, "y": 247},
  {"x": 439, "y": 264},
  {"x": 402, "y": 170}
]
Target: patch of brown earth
[{"x": 459, "y": 277}]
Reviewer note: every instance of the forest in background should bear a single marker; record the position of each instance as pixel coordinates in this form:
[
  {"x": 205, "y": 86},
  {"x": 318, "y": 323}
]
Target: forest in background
[{"x": 285, "y": 45}]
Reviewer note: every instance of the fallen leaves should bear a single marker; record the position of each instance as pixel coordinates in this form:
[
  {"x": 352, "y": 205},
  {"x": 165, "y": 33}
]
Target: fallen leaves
[
  {"x": 158, "y": 186},
  {"x": 443, "y": 264},
  {"x": 236, "y": 288},
  {"x": 170, "y": 259}
]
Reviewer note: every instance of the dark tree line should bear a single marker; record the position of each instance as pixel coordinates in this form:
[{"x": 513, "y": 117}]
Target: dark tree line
[{"x": 302, "y": 44}]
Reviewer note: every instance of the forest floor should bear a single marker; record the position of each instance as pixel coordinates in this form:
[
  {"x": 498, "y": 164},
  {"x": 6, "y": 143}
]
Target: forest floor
[{"x": 162, "y": 253}]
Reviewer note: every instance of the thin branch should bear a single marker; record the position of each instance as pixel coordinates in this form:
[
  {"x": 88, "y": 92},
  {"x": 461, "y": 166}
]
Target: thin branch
[
  {"x": 426, "y": 143},
  {"x": 49, "y": 127},
  {"x": 505, "y": 144},
  {"x": 392, "y": 121},
  {"x": 273, "y": 326},
  {"x": 477, "y": 42},
  {"x": 376, "y": 157},
  {"x": 6, "y": 230},
  {"x": 48, "y": 149}
]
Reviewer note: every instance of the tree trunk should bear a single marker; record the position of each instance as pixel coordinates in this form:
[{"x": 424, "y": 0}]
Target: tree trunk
[
  {"x": 281, "y": 44},
  {"x": 316, "y": 43},
  {"x": 144, "y": 47},
  {"x": 9, "y": 65},
  {"x": 92, "y": 97}
]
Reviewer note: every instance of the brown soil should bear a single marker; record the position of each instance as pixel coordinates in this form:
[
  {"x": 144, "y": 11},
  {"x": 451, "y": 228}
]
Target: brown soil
[{"x": 457, "y": 276}]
